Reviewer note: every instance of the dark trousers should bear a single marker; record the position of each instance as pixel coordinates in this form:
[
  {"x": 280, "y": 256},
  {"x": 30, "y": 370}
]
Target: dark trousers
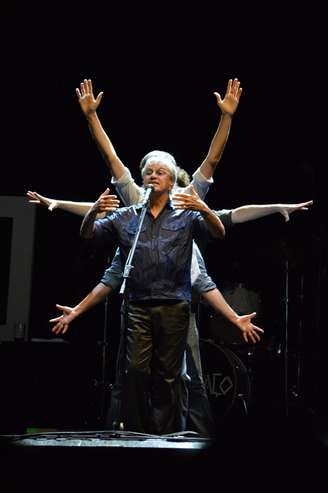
[
  {"x": 154, "y": 392},
  {"x": 195, "y": 403},
  {"x": 200, "y": 418}
]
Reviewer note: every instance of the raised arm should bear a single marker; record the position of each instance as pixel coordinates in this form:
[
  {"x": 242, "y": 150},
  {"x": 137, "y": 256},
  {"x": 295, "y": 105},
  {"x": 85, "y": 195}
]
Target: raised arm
[
  {"x": 69, "y": 314},
  {"x": 252, "y": 212},
  {"x": 89, "y": 105},
  {"x": 228, "y": 105},
  {"x": 109, "y": 204}
]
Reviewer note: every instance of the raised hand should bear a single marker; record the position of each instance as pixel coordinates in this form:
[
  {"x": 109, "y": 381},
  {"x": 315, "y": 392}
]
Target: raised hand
[
  {"x": 189, "y": 201},
  {"x": 36, "y": 198},
  {"x": 88, "y": 102},
  {"x": 287, "y": 209},
  {"x": 249, "y": 331},
  {"x": 106, "y": 202},
  {"x": 62, "y": 322},
  {"x": 229, "y": 104}
]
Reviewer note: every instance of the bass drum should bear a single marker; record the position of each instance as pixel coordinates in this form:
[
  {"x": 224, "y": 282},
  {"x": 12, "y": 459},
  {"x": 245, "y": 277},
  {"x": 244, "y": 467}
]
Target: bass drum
[{"x": 227, "y": 381}]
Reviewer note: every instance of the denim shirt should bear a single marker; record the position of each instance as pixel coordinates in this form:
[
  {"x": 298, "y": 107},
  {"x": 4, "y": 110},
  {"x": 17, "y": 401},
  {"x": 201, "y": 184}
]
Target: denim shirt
[
  {"x": 113, "y": 275},
  {"x": 161, "y": 262}
]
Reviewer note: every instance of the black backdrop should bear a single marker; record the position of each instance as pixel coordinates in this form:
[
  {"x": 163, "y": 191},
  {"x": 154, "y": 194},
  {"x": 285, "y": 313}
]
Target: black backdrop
[{"x": 158, "y": 69}]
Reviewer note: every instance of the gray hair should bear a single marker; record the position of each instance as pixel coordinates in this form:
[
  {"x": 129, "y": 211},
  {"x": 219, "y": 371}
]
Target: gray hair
[{"x": 162, "y": 157}]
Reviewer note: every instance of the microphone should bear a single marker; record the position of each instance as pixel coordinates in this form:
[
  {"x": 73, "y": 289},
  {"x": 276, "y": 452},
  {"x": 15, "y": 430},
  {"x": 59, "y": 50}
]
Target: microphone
[{"x": 148, "y": 190}]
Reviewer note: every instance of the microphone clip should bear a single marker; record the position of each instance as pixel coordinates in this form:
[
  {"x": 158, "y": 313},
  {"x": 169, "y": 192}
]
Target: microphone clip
[{"x": 147, "y": 194}]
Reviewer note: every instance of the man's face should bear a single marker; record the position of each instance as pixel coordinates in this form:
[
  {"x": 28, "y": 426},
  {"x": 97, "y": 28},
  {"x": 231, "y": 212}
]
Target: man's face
[{"x": 159, "y": 175}]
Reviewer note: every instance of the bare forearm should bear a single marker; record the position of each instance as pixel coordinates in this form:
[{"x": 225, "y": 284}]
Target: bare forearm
[
  {"x": 96, "y": 296},
  {"x": 105, "y": 146},
  {"x": 215, "y": 299},
  {"x": 213, "y": 222},
  {"x": 78, "y": 208},
  {"x": 88, "y": 224},
  {"x": 217, "y": 146},
  {"x": 252, "y": 212}
]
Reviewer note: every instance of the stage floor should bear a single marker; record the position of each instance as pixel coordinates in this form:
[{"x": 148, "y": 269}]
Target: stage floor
[{"x": 188, "y": 441}]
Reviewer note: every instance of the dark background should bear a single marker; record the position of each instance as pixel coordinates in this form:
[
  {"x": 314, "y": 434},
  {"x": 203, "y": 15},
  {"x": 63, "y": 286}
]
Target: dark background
[{"x": 158, "y": 67}]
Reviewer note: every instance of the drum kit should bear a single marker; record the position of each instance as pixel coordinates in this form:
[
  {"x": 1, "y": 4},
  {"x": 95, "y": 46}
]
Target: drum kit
[{"x": 256, "y": 379}]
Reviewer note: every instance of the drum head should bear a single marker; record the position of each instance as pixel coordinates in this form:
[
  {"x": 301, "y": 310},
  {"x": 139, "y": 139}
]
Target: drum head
[{"x": 226, "y": 379}]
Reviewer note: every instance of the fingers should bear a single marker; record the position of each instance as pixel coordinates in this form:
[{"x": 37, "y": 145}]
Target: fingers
[
  {"x": 89, "y": 85},
  {"x": 106, "y": 192},
  {"x": 98, "y": 99},
  {"x": 60, "y": 328},
  {"x": 84, "y": 88},
  {"x": 255, "y": 327},
  {"x": 60, "y": 307},
  {"x": 32, "y": 195},
  {"x": 235, "y": 88},
  {"x": 108, "y": 202},
  {"x": 286, "y": 215},
  {"x": 304, "y": 204},
  {"x": 248, "y": 316},
  {"x": 253, "y": 336},
  {"x": 218, "y": 97},
  {"x": 249, "y": 330}
]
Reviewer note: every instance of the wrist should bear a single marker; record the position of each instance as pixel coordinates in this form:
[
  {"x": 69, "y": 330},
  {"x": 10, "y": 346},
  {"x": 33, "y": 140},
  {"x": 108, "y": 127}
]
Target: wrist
[
  {"x": 205, "y": 211},
  {"x": 233, "y": 317},
  {"x": 52, "y": 205},
  {"x": 76, "y": 311},
  {"x": 91, "y": 116},
  {"x": 226, "y": 115}
]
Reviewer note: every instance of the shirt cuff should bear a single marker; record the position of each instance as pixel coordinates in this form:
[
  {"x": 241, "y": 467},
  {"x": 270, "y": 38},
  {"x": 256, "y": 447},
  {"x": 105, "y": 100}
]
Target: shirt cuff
[
  {"x": 198, "y": 175},
  {"x": 124, "y": 179}
]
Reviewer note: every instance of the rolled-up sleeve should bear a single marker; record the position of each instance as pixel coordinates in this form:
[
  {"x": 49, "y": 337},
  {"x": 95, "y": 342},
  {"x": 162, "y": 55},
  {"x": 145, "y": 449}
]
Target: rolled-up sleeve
[
  {"x": 203, "y": 281},
  {"x": 200, "y": 183},
  {"x": 225, "y": 215},
  {"x": 127, "y": 188},
  {"x": 113, "y": 275}
]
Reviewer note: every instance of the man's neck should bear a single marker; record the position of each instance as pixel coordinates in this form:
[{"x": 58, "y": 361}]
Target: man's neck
[{"x": 158, "y": 202}]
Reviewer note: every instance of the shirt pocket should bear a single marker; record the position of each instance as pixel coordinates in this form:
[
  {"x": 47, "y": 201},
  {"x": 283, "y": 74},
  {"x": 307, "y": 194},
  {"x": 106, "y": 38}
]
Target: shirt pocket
[
  {"x": 129, "y": 232},
  {"x": 173, "y": 234}
]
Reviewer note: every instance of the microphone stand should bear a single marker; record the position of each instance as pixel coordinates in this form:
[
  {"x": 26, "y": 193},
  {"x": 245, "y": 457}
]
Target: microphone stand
[
  {"x": 104, "y": 382},
  {"x": 126, "y": 274},
  {"x": 128, "y": 265},
  {"x": 286, "y": 342}
]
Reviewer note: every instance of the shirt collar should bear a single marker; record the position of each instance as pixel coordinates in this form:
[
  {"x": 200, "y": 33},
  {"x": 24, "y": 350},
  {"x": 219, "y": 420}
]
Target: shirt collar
[{"x": 168, "y": 205}]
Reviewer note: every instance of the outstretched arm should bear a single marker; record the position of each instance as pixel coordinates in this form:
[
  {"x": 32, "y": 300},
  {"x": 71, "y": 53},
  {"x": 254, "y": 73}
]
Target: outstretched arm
[
  {"x": 228, "y": 105},
  {"x": 251, "y": 212},
  {"x": 62, "y": 322},
  {"x": 79, "y": 208},
  {"x": 250, "y": 332},
  {"x": 89, "y": 105}
]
